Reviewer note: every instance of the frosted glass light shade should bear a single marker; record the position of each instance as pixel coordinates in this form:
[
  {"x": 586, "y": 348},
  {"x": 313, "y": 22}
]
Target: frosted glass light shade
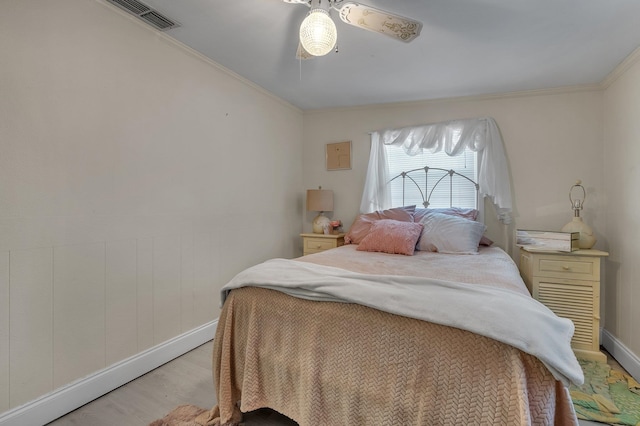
[{"x": 318, "y": 33}]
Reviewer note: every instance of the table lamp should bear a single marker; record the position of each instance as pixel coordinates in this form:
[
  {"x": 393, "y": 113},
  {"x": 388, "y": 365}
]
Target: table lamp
[
  {"x": 577, "y": 197},
  {"x": 320, "y": 200}
]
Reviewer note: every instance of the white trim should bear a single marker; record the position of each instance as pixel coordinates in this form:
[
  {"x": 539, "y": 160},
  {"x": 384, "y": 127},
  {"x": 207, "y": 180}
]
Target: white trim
[
  {"x": 476, "y": 98},
  {"x": 625, "y": 357},
  {"x": 622, "y": 67},
  {"x": 69, "y": 397}
]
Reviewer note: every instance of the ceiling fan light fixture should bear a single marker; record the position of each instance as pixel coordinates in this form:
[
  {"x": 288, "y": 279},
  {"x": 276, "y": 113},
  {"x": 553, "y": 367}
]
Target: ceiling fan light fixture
[{"x": 318, "y": 34}]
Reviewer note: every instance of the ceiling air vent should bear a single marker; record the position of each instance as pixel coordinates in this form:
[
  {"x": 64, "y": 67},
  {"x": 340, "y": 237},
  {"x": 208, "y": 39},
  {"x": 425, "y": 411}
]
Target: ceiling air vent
[{"x": 152, "y": 17}]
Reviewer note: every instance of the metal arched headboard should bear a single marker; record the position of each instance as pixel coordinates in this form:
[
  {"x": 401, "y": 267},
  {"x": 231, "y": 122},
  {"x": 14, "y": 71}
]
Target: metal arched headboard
[{"x": 426, "y": 194}]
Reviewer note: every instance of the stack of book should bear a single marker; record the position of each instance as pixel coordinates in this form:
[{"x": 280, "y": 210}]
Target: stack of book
[{"x": 547, "y": 240}]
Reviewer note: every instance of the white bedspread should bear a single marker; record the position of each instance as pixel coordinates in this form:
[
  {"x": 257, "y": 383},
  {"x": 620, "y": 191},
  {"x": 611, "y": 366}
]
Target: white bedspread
[{"x": 503, "y": 315}]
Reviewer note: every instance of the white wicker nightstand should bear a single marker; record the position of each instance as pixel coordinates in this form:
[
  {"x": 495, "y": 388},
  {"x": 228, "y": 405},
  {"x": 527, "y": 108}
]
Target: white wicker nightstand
[{"x": 569, "y": 285}]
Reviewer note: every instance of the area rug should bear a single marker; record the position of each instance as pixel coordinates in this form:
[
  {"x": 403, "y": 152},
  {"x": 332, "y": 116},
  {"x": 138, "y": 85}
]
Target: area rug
[
  {"x": 184, "y": 415},
  {"x": 607, "y": 395}
]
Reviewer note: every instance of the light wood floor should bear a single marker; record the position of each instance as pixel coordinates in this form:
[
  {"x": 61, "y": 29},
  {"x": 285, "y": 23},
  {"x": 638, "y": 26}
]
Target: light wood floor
[{"x": 185, "y": 380}]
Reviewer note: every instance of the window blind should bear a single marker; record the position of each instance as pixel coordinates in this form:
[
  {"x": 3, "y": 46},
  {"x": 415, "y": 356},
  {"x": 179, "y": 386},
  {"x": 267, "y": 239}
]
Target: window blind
[{"x": 463, "y": 193}]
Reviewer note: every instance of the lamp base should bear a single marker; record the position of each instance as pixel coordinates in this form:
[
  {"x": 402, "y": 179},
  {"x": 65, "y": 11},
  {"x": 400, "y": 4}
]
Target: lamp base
[
  {"x": 587, "y": 240},
  {"x": 319, "y": 223}
]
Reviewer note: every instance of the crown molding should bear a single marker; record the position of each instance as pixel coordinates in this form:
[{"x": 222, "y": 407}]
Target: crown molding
[
  {"x": 196, "y": 54},
  {"x": 469, "y": 98},
  {"x": 618, "y": 71},
  {"x": 622, "y": 67}
]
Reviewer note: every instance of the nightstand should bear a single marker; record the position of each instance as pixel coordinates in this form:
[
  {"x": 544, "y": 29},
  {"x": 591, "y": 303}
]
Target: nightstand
[
  {"x": 315, "y": 243},
  {"x": 569, "y": 285}
]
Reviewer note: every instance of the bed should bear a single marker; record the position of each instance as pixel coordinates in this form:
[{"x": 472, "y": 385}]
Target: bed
[{"x": 362, "y": 336}]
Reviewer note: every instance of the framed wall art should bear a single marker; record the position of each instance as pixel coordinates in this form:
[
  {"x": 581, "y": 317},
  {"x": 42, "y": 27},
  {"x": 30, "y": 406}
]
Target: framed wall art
[{"x": 338, "y": 156}]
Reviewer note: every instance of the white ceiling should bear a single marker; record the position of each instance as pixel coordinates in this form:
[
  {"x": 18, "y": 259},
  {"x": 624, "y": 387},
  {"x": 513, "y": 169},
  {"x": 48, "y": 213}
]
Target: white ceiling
[{"x": 466, "y": 47}]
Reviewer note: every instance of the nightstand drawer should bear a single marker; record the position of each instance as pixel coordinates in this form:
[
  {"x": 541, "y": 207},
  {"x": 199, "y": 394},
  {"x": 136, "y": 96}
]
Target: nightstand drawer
[
  {"x": 582, "y": 268},
  {"x": 311, "y": 244},
  {"x": 315, "y": 243}
]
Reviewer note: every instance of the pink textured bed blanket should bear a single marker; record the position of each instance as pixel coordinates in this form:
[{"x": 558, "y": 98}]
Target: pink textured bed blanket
[{"x": 330, "y": 363}]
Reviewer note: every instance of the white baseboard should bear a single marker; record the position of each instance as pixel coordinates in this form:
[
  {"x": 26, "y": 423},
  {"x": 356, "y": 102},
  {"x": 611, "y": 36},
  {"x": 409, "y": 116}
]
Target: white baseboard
[
  {"x": 66, "y": 399},
  {"x": 625, "y": 357}
]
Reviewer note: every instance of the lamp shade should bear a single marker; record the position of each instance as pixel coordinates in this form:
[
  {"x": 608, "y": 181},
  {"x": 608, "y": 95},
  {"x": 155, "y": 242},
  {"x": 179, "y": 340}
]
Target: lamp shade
[
  {"x": 319, "y": 200},
  {"x": 318, "y": 33}
]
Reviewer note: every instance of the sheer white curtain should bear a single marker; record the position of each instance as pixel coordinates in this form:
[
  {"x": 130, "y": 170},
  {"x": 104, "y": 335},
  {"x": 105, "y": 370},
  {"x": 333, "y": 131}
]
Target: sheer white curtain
[{"x": 480, "y": 135}]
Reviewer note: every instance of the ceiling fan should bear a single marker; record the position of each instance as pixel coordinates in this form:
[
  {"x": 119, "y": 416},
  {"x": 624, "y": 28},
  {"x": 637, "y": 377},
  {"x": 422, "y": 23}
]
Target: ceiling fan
[{"x": 318, "y": 34}]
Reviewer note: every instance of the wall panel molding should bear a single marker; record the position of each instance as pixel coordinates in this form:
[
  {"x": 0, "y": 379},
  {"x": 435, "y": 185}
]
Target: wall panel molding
[{"x": 74, "y": 395}]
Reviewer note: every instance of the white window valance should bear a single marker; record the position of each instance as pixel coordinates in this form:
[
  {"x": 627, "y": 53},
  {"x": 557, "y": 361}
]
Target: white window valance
[{"x": 480, "y": 135}]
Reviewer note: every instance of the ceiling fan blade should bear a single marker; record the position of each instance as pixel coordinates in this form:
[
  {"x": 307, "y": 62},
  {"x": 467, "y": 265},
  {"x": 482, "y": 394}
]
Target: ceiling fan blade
[
  {"x": 301, "y": 53},
  {"x": 380, "y": 21}
]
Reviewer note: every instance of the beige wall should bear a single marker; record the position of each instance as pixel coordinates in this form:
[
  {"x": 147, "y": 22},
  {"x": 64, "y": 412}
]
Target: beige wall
[
  {"x": 551, "y": 139},
  {"x": 622, "y": 188},
  {"x": 136, "y": 178}
]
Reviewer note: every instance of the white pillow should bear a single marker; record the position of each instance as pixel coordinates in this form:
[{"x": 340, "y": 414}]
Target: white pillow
[{"x": 450, "y": 234}]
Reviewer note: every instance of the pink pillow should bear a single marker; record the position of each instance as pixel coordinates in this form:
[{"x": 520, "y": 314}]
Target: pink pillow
[
  {"x": 363, "y": 222},
  {"x": 471, "y": 214},
  {"x": 392, "y": 236},
  {"x": 485, "y": 241}
]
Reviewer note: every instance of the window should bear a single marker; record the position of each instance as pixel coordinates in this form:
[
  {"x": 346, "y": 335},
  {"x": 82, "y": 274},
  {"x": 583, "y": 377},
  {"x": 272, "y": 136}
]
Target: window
[
  {"x": 461, "y": 194},
  {"x": 474, "y": 141}
]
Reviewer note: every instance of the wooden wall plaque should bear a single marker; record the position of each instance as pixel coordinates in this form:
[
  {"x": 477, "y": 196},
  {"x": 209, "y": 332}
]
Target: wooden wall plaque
[{"x": 339, "y": 156}]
